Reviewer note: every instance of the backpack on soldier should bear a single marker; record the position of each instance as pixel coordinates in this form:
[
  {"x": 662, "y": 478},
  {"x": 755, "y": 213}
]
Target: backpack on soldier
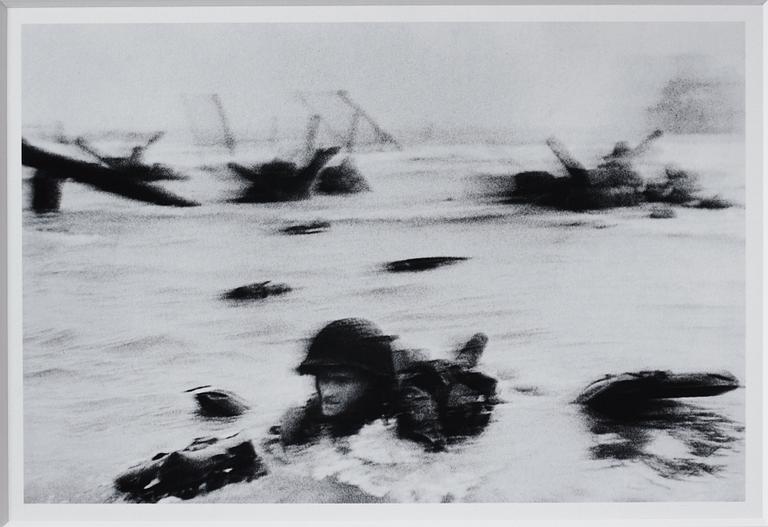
[{"x": 442, "y": 401}]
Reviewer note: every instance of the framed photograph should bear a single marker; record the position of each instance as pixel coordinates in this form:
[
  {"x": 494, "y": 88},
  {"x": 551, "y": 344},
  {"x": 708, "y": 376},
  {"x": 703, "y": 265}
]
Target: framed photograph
[{"x": 385, "y": 263}]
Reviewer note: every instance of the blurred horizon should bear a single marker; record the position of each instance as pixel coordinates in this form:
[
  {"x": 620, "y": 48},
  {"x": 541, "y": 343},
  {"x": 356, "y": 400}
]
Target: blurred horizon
[{"x": 421, "y": 81}]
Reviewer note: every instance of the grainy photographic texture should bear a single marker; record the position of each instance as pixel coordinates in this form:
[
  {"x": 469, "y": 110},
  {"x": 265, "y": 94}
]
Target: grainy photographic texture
[{"x": 431, "y": 262}]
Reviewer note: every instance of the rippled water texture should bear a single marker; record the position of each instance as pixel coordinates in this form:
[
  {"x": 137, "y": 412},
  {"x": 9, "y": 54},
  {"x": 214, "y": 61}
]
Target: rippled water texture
[{"x": 122, "y": 314}]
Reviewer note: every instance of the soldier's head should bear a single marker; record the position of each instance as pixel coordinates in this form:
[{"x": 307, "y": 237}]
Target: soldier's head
[{"x": 351, "y": 360}]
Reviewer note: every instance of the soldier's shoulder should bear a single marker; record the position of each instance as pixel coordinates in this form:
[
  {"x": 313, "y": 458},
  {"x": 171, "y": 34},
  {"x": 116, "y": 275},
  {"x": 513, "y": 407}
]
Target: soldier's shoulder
[{"x": 296, "y": 425}]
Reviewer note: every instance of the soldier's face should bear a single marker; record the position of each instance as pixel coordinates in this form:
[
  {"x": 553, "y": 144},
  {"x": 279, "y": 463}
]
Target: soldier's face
[{"x": 340, "y": 390}]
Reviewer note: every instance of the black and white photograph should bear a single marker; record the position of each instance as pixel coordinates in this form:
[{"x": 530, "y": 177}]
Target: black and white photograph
[{"x": 384, "y": 262}]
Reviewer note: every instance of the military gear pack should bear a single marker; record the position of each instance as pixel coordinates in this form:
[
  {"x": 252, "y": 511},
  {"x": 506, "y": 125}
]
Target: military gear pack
[{"x": 443, "y": 400}]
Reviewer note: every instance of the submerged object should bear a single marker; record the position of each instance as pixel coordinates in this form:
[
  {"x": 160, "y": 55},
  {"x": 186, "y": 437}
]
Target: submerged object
[
  {"x": 422, "y": 264},
  {"x": 257, "y": 291},
  {"x": 662, "y": 213},
  {"x": 615, "y": 392},
  {"x": 219, "y": 403},
  {"x": 307, "y": 228},
  {"x": 208, "y": 463},
  {"x": 281, "y": 180},
  {"x": 61, "y": 168},
  {"x": 341, "y": 179},
  {"x": 715, "y": 202}
]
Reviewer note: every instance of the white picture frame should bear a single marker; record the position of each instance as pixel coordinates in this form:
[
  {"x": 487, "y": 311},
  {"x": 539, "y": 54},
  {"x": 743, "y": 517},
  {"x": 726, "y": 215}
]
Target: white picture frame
[{"x": 752, "y": 512}]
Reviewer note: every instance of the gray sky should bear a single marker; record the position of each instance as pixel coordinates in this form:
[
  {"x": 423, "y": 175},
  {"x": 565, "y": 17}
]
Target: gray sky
[{"x": 487, "y": 75}]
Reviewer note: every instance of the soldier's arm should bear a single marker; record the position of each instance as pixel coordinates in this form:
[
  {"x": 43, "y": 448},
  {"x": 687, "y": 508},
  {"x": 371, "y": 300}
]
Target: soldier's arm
[
  {"x": 298, "y": 424},
  {"x": 291, "y": 425}
]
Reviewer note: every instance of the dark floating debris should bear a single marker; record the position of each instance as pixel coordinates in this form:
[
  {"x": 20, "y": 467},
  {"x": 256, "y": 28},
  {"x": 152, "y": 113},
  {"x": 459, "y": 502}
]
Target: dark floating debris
[
  {"x": 662, "y": 213},
  {"x": 715, "y": 202},
  {"x": 307, "y": 228},
  {"x": 528, "y": 390},
  {"x": 625, "y": 392},
  {"x": 257, "y": 291},
  {"x": 54, "y": 169},
  {"x": 219, "y": 403},
  {"x": 422, "y": 264},
  {"x": 207, "y": 464}
]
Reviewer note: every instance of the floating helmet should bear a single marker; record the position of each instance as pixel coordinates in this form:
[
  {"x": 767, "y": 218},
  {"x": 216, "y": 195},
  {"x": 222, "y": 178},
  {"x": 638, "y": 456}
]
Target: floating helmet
[{"x": 351, "y": 343}]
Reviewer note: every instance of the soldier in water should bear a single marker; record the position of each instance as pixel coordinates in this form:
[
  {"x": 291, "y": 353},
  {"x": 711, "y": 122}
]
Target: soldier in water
[
  {"x": 360, "y": 377},
  {"x": 351, "y": 360}
]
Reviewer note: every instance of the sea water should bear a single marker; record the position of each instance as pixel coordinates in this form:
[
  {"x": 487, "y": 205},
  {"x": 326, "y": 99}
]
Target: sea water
[{"x": 122, "y": 313}]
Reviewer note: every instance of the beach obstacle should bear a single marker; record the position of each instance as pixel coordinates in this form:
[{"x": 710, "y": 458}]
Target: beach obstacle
[{"x": 53, "y": 169}]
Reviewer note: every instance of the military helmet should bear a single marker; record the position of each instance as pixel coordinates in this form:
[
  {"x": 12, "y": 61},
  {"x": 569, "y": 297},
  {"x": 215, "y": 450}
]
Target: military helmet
[{"x": 352, "y": 343}]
